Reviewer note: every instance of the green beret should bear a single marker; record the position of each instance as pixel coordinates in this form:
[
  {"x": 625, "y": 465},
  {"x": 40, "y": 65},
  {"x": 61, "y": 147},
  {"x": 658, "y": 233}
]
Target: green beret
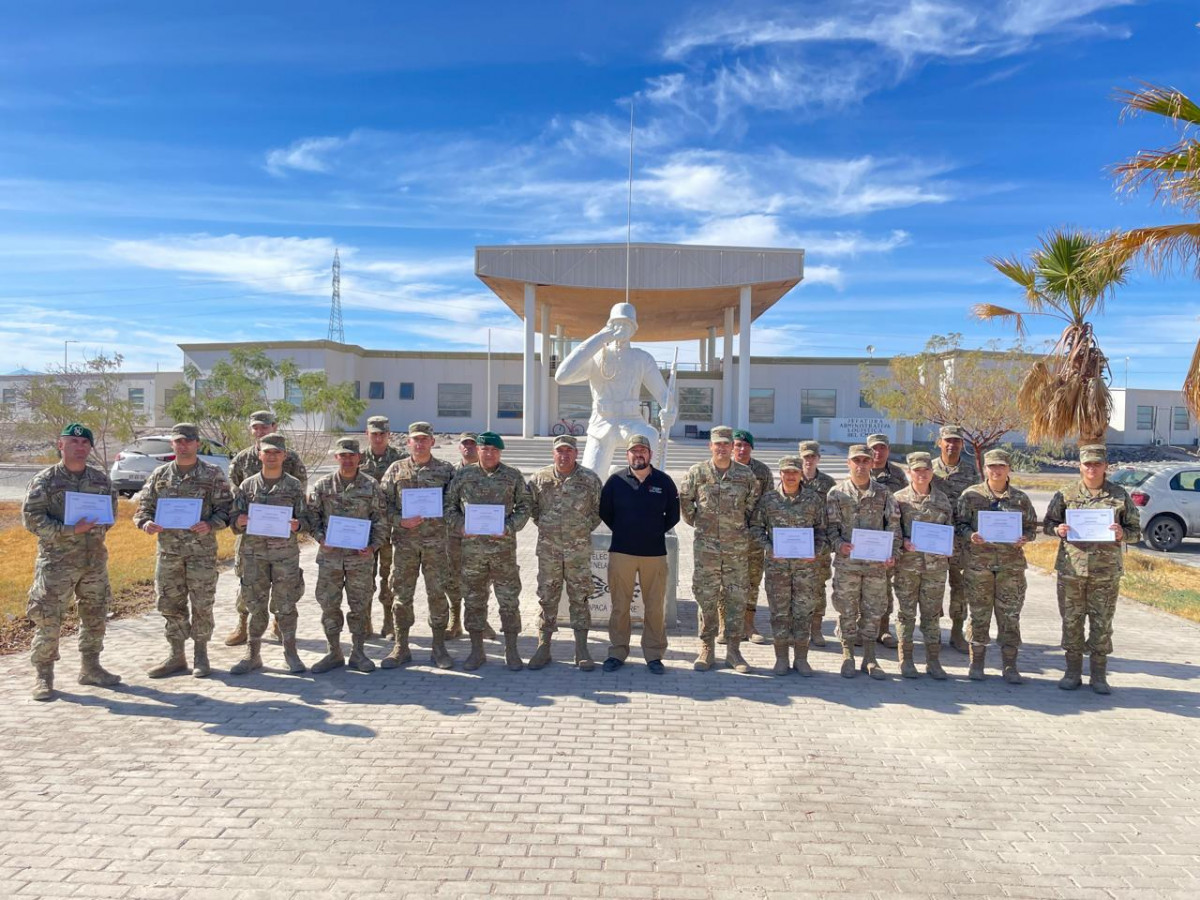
[
  {"x": 743, "y": 435},
  {"x": 75, "y": 429},
  {"x": 346, "y": 445},
  {"x": 490, "y": 439},
  {"x": 272, "y": 442},
  {"x": 722, "y": 434}
]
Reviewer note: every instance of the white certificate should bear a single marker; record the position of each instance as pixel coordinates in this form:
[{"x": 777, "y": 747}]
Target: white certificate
[
  {"x": 1090, "y": 525},
  {"x": 1000, "y": 527},
  {"x": 177, "y": 512},
  {"x": 930, "y": 538},
  {"x": 423, "y": 502},
  {"x": 792, "y": 543},
  {"x": 89, "y": 507},
  {"x": 347, "y": 533},
  {"x": 270, "y": 521},
  {"x": 871, "y": 545},
  {"x": 484, "y": 518}
]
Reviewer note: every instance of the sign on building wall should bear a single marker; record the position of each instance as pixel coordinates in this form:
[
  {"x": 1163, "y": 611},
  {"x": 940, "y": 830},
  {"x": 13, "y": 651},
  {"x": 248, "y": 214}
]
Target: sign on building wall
[
  {"x": 600, "y": 601},
  {"x": 855, "y": 430}
]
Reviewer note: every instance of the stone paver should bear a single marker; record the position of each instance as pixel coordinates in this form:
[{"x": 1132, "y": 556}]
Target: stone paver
[{"x": 422, "y": 783}]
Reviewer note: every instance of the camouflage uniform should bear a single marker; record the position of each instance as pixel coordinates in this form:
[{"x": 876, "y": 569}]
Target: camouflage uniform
[
  {"x": 67, "y": 564},
  {"x": 892, "y": 477},
  {"x": 755, "y": 558},
  {"x": 953, "y": 480},
  {"x": 920, "y": 578},
  {"x": 821, "y": 484},
  {"x": 375, "y": 467},
  {"x": 186, "y": 565},
  {"x": 340, "y": 569},
  {"x": 490, "y": 559},
  {"x": 859, "y": 586},
  {"x": 790, "y": 582},
  {"x": 719, "y": 505},
  {"x": 566, "y": 510},
  {"x": 454, "y": 581}
]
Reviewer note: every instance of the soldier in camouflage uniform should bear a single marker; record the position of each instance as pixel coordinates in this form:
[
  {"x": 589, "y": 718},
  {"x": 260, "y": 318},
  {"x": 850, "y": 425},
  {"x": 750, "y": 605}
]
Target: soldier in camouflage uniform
[
  {"x": 490, "y": 559},
  {"x": 954, "y": 476},
  {"x": 892, "y": 477},
  {"x": 241, "y": 467},
  {"x": 790, "y": 581},
  {"x": 72, "y": 561},
  {"x": 351, "y": 493},
  {"x": 565, "y": 506},
  {"x": 920, "y": 578},
  {"x": 468, "y": 449},
  {"x": 186, "y": 566},
  {"x": 270, "y": 575},
  {"x": 860, "y": 586},
  {"x": 994, "y": 573},
  {"x": 717, "y": 498},
  {"x": 743, "y": 452},
  {"x": 1089, "y": 572},
  {"x": 377, "y": 458},
  {"x": 814, "y": 479},
  {"x": 418, "y": 547}
]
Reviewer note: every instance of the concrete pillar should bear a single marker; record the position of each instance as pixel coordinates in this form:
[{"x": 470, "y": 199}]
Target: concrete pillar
[
  {"x": 727, "y": 370},
  {"x": 743, "y": 384},
  {"x": 529, "y": 384},
  {"x": 703, "y": 362},
  {"x": 543, "y": 418},
  {"x": 712, "y": 347}
]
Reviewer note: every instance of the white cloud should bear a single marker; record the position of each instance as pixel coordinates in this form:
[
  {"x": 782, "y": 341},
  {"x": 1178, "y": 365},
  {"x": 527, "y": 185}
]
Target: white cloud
[
  {"x": 830, "y": 275},
  {"x": 305, "y": 155}
]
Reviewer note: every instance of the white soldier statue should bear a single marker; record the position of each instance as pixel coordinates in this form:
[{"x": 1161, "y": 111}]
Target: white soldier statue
[{"x": 616, "y": 373}]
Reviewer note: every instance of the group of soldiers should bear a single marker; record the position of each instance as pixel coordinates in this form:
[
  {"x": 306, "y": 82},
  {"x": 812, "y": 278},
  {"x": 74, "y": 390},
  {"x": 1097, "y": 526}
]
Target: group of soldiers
[{"x": 731, "y": 500}]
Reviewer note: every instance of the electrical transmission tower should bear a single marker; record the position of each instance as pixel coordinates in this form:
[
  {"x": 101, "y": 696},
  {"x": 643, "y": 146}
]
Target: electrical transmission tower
[{"x": 337, "y": 331}]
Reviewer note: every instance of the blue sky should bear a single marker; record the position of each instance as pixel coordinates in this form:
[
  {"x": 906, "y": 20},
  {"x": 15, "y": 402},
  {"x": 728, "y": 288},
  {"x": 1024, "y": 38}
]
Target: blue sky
[{"x": 171, "y": 175}]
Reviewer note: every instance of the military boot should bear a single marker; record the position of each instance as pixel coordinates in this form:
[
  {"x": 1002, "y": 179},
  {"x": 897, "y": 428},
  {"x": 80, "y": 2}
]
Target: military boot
[
  {"x": 91, "y": 672},
  {"x": 978, "y": 657},
  {"x": 801, "y": 664},
  {"x": 359, "y": 661},
  {"x": 871, "y": 665},
  {"x": 720, "y": 623},
  {"x": 389, "y": 626},
  {"x": 237, "y": 637},
  {"x": 400, "y": 655},
  {"x": 477, "y": 657},
  {"x": 455, "y": 631},
  {"x": 512, "y": 656},
  {"x": 175, "y": 662},
  {"x": 707, "y": 657},
  {"x": 1098, "y": 674},
  {"x": 1010, "y": 673},
  {"x": 815, "y": 637},
  {"x": 583, "y": 659},
  {"x": 541, "y": 656},
  {"x": 908, "y": 668},
  {"x": 291, "y": 658},
  {"x": 734, "y": 658},
  {"x": 200, "y": 665},
  {"x": 885, "y": 635},
  {"x": 782, "y": 666},
  {"x": 750, "y": 631},
  {"x": 957, "y": 639},
  {"x": 848, "y": 668},
  {"x": 933, "y": 665},
  {"x": 1073, "y": 677},
  {"x": 334, "y": 658},
  {"x": 43, "y": 682},
  {"x": 438, "y": 654},
  {"x": 250, "y": 661}
]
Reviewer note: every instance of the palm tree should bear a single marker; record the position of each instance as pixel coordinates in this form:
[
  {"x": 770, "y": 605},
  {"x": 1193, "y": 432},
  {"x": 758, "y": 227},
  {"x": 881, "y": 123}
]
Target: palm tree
[
  {"x": 1173, "y": 175},
  {"x": 1065, "y": 394}
]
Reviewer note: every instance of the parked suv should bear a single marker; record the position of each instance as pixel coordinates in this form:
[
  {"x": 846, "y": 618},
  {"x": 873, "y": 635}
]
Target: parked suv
[
  {"x": 1167, "y": 496},
  {"x": 134, "y": 464}
]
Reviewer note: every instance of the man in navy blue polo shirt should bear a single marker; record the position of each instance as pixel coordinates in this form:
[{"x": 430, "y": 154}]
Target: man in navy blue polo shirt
[{"x": 640, "y": 504}]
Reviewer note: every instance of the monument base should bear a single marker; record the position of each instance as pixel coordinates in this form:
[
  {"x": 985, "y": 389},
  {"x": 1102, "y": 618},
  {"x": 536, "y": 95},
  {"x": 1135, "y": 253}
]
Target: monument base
[{"x": 600, "y": 601}]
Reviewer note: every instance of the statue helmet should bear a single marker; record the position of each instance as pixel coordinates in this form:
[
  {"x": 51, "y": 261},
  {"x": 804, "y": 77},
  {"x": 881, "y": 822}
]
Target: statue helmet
[{"x": 623, "y": 311}]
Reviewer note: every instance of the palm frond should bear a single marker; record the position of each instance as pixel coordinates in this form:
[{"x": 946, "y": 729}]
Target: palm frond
[
  {"x": 988, "y": 311},
  {"x": 1161, "y": 248},
  {"x": 1172, "y": 174},
  {"x": 1191, "y": 384},
  {"x": 1161, "y": 101}
]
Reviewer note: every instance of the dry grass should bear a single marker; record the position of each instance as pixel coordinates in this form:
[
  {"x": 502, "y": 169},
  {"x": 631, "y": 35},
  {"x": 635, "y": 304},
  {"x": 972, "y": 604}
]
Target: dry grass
[
  {"x": 130, "y": 571},
  {"x": 1034, "y": 482},
  {"x": 1166, "y": 585}
]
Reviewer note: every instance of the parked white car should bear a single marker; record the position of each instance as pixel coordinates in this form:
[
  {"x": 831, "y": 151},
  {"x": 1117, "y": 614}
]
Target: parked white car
[
  {"x": 1167, "y": 496},
  {"x": 134, "y": 463}
]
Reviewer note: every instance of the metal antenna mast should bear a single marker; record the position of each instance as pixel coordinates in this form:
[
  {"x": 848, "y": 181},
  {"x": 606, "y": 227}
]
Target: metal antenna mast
[{"x": 337, "y": 331}]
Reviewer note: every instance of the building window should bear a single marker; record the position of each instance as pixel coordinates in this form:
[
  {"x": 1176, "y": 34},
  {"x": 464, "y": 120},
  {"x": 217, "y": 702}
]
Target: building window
[
  {"x": 10, "y": 396},
  {"x": 1145, "y": 418},
  {"x": 509, "y": 402},
  {"x": 137, "y": 398},
  {"x": 696, "y": 404},
  {"x": 862, "y": 401},
  {"x": 817, "y": 403},
  {"x": 374, "y": 390},
  {"x": 454, "y": 401},
  {"x": 292, "y": 393},
  {"x": 762, "y": 404},
  {"x": 407, "y": 390},
  {"x": 1180, "y": 420}
]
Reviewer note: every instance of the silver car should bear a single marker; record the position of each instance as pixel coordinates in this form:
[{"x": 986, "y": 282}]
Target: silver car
[
  {"x": 1167, "y": 496},
  {"x": 134, "y": 463}
]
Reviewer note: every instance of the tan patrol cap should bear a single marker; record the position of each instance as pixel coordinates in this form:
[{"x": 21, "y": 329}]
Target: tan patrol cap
[
  {"x": 810, "y": 448},
  {"x": 379, "y": 424},
  {"x": 857, "y": 450},
  {"x": 637, "y": 440},
  {"x": 919, "y": 460},
  {"x": 567, "y": 440},
  {"x": 273, "y": 442},
  {"x": 346, "y": 445},
  {"x": 951, "y": 431},
  {"x": 1093, "y": 453},
  {"x": 722, "y": 434},
  {"x": 468, "y": 436},
  {"x": 874, "y": 440},
  {"x": 790, "y": 462},
  {"x": 185, "y": 430},
  {"x": 263, "y": 417},
  {"x": 417, "y": 428},
  {"x": 996, "y": 458}
]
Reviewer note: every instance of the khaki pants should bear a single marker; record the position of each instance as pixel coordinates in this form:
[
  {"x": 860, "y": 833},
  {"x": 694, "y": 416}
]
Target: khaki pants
[{"x": 651, "y": 571}]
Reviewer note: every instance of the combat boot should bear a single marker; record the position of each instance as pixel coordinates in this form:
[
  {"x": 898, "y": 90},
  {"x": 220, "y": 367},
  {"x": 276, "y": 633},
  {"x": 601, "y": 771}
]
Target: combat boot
[
  {"x": 720, "y": 624},
  {"x": 200, "y": 665},
  {"x": 1098, "y": 674},
  {"x": 751, "y": 632},
  {"x": 175, "y": 662},
  {"x": 885, "y": 635},
  {"x": 707, "y": 657},
  {"x": 801, "y": 664},
  {"x": 455, "y": 631},
  {"x": 359, "y": 661},
  {"x": 291, "y": 658},
  {"x": 848, "y": 668},
  {"x": 583, "y": 659},
  {"x": 250, "y": 661},
  {"x": 957, "y": 639},
  {"x": 400, "y": 655},
  {"x": 237, "y": 637},
  {"x": 815, "y": 637},
  {"x": 389, "y": 625},
  {"x": 782, "y": 666},
  {"x": 733, "y": 656},
  {"x": 1073, "y": 677},
  {"x": 512, "y": 656},
  {"x": 541, "y": 656},
  {"x": 334, "y": 658},
  {"x": 908, "y": 668},
  {"x": 477, "y": 657},
  {"x": 91, "y": 672},
  {"x": 933, "y": 665},
  {"x": 438, "y": 654},
  {"x": 978, "y": 657},
  {"x": 43, "y": 682},
  {"x": 1010, "y": 673},
  {"x": 870, "y": 664}
]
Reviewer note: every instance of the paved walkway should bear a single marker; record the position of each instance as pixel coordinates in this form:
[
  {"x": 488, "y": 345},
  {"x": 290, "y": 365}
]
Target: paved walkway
[{"x": 422, "y": 783}]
